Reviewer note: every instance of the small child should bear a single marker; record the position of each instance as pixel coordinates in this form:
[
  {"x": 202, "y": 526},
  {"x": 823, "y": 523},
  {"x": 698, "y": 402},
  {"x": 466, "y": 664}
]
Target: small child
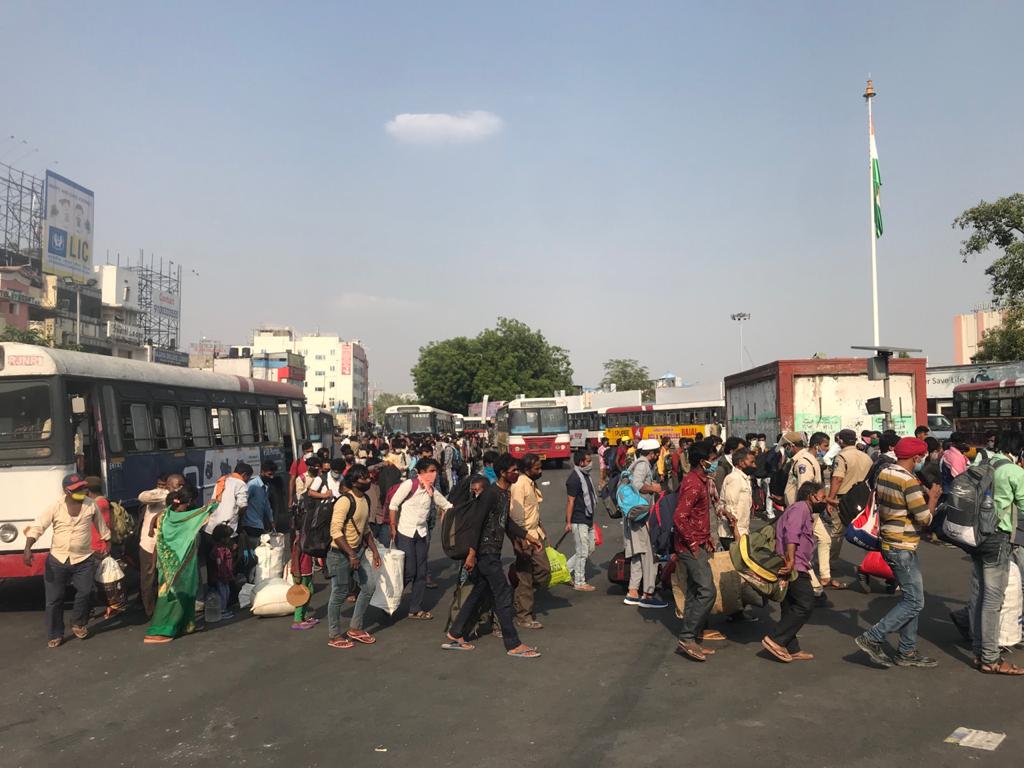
[{"x": 225, "y": 572}]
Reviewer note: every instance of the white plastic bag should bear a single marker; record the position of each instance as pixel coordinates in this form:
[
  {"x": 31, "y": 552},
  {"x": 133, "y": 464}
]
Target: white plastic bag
[
  {"x": 271, "y": 556},
  {"x": 388, "y": 593},
  {"x": 270, "y": 598},
  {"x": 108, "y": 571},
  {"x": 245, "y": 595},
  {"x": 1009, "y": 616}
]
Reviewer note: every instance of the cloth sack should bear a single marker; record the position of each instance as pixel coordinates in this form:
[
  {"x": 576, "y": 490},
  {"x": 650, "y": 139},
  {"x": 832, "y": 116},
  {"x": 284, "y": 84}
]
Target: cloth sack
[
  {"x": 271, "y": 556},
  {"x": 108, "y": 571},
  {"x": 389, "y": 580},
  {"x": 270, "y": 598},
  {"x": 558, "y": 564},
  {"x": 730, "y": 594},
  {"x": 245, "y": 595},
  {"x": 1009, "y": 616}
]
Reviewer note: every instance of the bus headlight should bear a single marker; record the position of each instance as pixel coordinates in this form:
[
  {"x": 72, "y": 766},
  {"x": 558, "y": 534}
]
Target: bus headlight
[{"x": 8, "y": 533}]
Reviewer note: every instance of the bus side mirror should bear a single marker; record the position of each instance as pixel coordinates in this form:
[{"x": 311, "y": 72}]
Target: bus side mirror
[{"x": 78, "y": 406}]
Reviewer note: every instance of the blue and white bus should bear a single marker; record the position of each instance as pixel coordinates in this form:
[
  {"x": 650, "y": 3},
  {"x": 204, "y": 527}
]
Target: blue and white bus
[{"x": 127, "y": 421}]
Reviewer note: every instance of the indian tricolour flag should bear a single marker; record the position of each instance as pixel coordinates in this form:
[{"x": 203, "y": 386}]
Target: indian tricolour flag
[{"x": 877, "y": 181}]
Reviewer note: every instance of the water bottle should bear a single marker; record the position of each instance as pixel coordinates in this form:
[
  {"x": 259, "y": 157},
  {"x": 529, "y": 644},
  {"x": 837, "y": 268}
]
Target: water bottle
[{"x": 213, "y": 607}]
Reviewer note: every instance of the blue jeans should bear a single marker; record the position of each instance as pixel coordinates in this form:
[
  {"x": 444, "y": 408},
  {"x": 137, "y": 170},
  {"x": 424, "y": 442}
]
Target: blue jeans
[
  {"x": 341, "y": 573},
  {"x": 903, "y": 616},
  {"x": 988, "y": 587}
]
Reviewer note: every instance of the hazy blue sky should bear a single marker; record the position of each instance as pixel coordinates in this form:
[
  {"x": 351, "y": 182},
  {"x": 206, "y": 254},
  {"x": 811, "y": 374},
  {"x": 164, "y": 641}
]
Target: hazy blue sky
[{"x": 626, "y": 175}]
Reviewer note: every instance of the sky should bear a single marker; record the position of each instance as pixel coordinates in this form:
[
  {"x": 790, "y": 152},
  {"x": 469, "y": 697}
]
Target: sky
[{"x": 621, "y": 176}]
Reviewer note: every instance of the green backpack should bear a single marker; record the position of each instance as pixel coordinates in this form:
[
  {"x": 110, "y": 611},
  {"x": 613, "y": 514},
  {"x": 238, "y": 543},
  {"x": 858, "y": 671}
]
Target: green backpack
[
  {"x": 756, "y": 561},
  {"x": 122, "y": 525}
]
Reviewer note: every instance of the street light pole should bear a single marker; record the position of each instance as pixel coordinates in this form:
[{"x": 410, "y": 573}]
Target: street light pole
[
  {"x": 740, "y": 317},
  {"x": 78, "y": 317}
]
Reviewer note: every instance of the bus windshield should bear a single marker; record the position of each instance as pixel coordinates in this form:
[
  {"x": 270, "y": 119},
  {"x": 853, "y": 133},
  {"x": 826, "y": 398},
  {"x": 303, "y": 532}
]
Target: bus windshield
[
  {"x": 419, "y": 423},
  {"x": 538, "y": 421},
  {"x": 25, "y": 412}
]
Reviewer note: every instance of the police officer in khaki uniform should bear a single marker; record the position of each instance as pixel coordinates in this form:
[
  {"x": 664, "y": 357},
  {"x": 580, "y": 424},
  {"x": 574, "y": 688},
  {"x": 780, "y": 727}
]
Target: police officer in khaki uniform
[{"x": 805, "y": 467}]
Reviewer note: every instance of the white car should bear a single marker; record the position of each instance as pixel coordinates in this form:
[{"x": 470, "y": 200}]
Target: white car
[{"x": 939, "y": 426}]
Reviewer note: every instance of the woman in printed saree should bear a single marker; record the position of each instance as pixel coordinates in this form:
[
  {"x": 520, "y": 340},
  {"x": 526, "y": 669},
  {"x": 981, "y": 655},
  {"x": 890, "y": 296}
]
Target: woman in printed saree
[{"x": 177, "y": 560}]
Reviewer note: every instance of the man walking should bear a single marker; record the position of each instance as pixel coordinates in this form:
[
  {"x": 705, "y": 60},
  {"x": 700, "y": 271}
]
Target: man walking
[
  {"x": 532, "y": 566},
  {"x": 579, "y": 516},
  {"x": 637, "y": 537},
  {"x": 72, "y": 518},
  {"x": 485, "y": 560},
  {"x": 903, "y": 512}
]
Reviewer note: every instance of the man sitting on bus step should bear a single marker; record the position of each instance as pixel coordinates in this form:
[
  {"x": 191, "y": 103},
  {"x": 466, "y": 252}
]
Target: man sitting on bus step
[{"x": 70, "y": 558}]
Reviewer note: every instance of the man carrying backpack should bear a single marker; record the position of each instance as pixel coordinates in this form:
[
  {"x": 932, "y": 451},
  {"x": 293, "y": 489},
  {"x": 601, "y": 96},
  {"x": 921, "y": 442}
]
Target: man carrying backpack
[
  {"x": 903, "y": 512},
  {"x": 637, "y": 538}
]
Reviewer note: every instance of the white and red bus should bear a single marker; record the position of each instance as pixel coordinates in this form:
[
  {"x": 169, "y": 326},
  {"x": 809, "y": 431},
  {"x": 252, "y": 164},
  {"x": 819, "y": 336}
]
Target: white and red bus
[
  {"x": 537, "y": 425},
  {"x": 586, "y": 428}
]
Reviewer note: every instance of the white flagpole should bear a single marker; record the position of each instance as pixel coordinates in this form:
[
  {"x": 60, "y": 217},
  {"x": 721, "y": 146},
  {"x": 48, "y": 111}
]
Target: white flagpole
[{"x": 869, "y": 94}]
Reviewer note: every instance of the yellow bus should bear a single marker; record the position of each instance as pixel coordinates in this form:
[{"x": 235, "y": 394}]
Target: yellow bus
[{"x": 640, "y": 422}]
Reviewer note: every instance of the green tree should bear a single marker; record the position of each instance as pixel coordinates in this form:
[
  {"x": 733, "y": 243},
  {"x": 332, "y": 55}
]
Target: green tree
[
  {"x": 385, "y": 400},
  {"x": 501, "y": 362},
  {"x": 626, "y": 374},
  {"x": 32, "y": 336},
  {"x": 1000, "y": 225}
]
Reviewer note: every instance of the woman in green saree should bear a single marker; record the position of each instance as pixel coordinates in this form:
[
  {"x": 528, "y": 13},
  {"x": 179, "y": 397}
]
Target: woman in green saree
[{"x": 177, "y": 528}]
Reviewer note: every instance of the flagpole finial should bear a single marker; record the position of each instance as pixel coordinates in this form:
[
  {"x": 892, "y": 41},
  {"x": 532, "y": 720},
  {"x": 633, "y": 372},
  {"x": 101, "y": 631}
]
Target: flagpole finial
[{"x": 869, "y": 92}]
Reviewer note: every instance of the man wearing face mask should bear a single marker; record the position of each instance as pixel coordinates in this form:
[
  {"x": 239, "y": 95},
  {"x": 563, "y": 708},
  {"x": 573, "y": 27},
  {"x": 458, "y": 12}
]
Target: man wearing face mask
[
  {"x": 904, "y": 511},
  {"x": 737, "y": 499},
  {"x": 637, "y": 538},
  {"x": 72, "y": 518},
  {"x": 353, "y": 552},
  {"x": 579, "y": 516},
  {"x": 807, "y": 468},
  {"x": 531, "y": 563}
]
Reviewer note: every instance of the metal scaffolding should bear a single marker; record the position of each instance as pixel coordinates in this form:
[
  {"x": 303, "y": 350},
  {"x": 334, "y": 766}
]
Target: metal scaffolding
[
  {"x": 160, "y": 301},
  {"x": 21, "y": 218}
]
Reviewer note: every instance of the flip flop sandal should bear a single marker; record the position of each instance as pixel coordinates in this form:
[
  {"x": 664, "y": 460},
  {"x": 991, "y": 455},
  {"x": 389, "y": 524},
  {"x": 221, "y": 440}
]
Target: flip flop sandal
[
  {"x": 1002, "y": 668},
  {"x": 156, "y": 639},
  {"x": 526, "y": 653},
  {"x": 80, "y": 632},
  {"x": 779, "y": 653},
  {"x": 837, "y": 585},
  {"x": 55, "y": 643},
  {"x": 362, "y": 637},
  {"x": 707, "y": 651},
  {"x": 340, "y": 642},
  {"x": 801, "y": 656},
  {"x": 714, "y": 634},
  {"x": 691, "y": 653},
  {"x": 458, "y": 645},
  {"x": 530, "y": 625},
  {"x": 421, "y": 615}
]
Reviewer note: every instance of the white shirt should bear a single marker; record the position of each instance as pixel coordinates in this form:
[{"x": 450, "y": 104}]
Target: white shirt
[
  {"x": 154, "y": 501},
  {"x": 413, "y": 518},
  {"x": 737, "y": 498},
  {"x": 234, "y": 499}
]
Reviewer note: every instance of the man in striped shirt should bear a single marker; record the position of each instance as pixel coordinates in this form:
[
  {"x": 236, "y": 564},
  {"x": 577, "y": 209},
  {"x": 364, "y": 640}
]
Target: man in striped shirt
[{"x": 904, "y": 510}]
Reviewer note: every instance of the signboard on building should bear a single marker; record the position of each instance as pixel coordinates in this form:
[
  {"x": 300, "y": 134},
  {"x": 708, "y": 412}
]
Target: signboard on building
[
  {"x": 67, "y": 228},
  {"x": 167, "y": 304},
  {"x": 170, "y": 357},
  {"x": 346, "y": 359},
  {"x": 941, "y": 380},
  {"x": 120, "y": 331},
  {"x": 18, "y": 296}
]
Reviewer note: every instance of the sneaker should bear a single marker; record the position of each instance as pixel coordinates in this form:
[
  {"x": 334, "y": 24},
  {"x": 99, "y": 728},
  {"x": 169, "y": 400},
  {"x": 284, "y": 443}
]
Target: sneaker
[
  {"x": 914, "y": 659},
  {"x": 874, "y": 651},
  {"x": 627, "y": 600},
  {"x": 650, "y": 601}
]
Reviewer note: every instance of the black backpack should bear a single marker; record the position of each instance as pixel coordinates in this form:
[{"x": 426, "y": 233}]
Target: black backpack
[
  {"x": 316, "y": 529},
  {"x": 661, "y": 526},
  {"x": 778, "y": 479},
  {"x": 854, "y": 502}
]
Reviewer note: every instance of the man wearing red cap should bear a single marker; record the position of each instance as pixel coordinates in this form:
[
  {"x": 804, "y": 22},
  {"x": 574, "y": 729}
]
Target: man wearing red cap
[
  {"x": 904, "y": 510},
  {"x": 70, "y": 558}
]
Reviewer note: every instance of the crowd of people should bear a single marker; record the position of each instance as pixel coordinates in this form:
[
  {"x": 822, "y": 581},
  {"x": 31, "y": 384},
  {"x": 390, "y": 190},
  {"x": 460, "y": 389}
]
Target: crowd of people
[{"x": 383, "y": 495}]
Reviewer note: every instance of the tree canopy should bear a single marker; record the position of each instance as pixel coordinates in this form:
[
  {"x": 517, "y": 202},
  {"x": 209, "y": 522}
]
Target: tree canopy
[
  {"x": 1000, "y": 225},
  {"x": 32, "y": 336},
  {"x": 385, "y": 400},
  {"x": 627, "y": 373},
  {"x": 501, "y": 362}
]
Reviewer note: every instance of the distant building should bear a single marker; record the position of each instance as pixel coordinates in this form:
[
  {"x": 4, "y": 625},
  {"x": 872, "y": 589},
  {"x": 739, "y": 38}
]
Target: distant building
[
  {"x": 968, "y": 331},
  {"x": 337, "y": 371},
  {"x": 120, "y": 312},
  {"x": 20, "y": 294},
  {"x": 284, "y": 367}
]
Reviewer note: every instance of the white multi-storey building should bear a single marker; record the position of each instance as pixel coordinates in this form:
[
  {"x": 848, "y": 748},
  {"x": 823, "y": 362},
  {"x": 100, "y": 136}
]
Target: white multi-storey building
[{"x": 337, "y": 373}]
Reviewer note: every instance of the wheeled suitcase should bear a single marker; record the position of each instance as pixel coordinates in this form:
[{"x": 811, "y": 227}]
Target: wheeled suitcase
[{"x": 618, "y": 569}]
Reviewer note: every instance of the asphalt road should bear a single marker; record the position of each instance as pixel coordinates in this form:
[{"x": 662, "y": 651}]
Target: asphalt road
[{"x": 608, "y": 691}]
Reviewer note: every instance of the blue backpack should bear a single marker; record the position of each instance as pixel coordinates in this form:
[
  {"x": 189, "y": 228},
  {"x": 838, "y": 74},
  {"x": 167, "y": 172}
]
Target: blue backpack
[{"x": 634, "y": 507}]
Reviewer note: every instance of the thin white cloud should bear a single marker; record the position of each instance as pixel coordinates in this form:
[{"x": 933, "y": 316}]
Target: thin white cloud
[{"x": 441, "y": 128}]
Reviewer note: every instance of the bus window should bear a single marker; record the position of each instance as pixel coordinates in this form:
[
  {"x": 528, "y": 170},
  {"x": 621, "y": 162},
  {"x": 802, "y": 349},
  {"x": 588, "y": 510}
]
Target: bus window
[
  {"x": 136, "y": 429},
  {"x": 110, "y": 416},
  {"x": 271, "y": 431},
  {"x": 245, "y": 431},
  {"x": 25, "y": 411},
  {"x": 224, "y": 432},
  {"x": 195, "y": 427},
  {"x": 171, "y": 426},
  {"x": 297, "y": 425}
]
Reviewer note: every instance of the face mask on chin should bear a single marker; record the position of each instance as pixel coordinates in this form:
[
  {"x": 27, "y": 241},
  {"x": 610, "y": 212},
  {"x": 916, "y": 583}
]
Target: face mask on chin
[{"x": 585, "y": 468}]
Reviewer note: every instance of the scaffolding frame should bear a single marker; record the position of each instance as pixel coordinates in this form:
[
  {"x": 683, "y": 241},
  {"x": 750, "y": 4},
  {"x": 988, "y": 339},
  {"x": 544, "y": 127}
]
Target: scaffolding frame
[
  {"x": 159, "y": 328},
  {"x": 21, "y": 218}
]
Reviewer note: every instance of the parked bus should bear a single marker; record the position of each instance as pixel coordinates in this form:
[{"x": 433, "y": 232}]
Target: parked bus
[
  {"x": 586, "y": 428},
  {"x": 417, "y": 420},
  {"x": 127, "y": 421},
  {"x": 534, "y": 425},
  {"x": 988, "y": 407},
  {"x": 458, "y": 421},
  {"x": 639, "y": 422},
  {"x": 474, "y": 425},
  {"x": 320, "y": 428}
]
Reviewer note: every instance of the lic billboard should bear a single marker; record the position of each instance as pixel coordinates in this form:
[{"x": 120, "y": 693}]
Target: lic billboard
[{"x": 68, "y": 228}]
